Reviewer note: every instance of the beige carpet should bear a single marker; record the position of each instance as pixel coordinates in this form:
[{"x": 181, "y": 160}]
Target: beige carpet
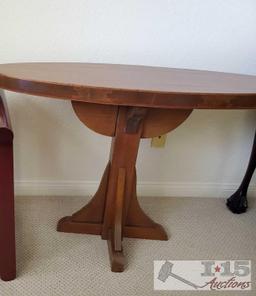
[{"x": 55, "y": 264}]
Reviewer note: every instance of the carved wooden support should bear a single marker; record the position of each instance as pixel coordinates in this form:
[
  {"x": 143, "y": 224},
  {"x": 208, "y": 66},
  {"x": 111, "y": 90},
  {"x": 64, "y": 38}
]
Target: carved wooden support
[
  {"x": 114, "y": 211},
  {"x": 102, "y": 118}
]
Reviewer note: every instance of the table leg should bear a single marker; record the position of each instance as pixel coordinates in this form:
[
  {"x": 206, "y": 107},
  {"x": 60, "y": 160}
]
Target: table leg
[
  {"x": 114, "y": 211},
  {"x": 238, "y": 203}
]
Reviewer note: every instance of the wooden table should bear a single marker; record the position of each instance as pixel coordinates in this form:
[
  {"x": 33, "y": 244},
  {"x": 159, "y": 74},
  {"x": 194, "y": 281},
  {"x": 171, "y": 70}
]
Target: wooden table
[{"x": 126, "y": 103}]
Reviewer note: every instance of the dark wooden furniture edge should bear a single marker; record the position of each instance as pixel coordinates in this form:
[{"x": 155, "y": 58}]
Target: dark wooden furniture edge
[
  {"x": 5, "y": 122},
  {"x": 7, "y": 217}
]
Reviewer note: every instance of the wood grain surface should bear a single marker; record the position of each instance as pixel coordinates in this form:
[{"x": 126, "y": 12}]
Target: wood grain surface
[{"x": 132, "y": 85}]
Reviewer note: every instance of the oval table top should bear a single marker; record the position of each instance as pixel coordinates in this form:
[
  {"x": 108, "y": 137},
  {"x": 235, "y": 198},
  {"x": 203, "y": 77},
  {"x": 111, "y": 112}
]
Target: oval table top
[{"x": 131, "y": 85}]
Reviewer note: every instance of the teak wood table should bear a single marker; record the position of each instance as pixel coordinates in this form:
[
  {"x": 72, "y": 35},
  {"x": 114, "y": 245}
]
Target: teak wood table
[{"x": 126, "y": 103}]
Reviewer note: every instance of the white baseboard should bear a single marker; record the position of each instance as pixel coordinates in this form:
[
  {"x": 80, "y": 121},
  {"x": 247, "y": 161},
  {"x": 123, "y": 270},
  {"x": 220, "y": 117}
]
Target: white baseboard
[{"x": 79, "y": 188}]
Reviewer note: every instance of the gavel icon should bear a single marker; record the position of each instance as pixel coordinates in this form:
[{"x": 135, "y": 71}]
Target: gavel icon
[{"x": 166, "y": 271}]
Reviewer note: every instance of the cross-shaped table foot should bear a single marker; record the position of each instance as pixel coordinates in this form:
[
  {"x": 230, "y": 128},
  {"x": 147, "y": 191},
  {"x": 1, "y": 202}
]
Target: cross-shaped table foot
[{"x": 114, "y": 211}]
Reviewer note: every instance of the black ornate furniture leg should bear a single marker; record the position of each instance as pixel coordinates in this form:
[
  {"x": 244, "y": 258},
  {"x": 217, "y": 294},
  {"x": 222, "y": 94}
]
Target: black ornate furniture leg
[{"x": 238, "y": 203}]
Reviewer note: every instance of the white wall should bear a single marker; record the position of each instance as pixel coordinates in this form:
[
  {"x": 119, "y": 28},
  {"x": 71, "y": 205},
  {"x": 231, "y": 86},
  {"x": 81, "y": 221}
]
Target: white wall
[{"x": 56, "y": 154}]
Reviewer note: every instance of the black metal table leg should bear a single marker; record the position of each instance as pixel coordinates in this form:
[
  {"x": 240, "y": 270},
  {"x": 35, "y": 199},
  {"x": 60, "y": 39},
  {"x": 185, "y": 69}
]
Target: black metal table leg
[{"x": 238, "y": 203}]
